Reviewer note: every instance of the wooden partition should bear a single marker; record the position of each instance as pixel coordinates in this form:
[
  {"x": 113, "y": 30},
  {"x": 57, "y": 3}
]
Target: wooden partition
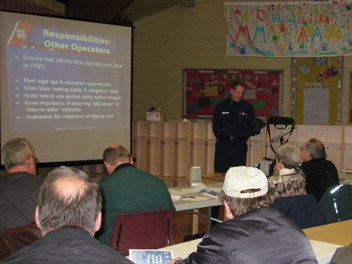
[{"x": 168, "y": 149}]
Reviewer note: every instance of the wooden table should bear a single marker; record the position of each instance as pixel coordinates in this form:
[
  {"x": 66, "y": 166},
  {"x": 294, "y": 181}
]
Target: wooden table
[
  {"x": 197, "y": 201},
  {"x": 337, "y": 233},
  {"x": 323, "y": 251}
]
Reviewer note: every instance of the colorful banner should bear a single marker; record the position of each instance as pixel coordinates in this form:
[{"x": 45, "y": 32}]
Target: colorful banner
[{"x": 298, "y": 29}]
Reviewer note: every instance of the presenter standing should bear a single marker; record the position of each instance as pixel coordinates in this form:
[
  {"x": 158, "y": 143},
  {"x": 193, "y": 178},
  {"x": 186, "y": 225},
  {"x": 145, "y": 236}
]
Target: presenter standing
[{"x": 233, "y": 123}]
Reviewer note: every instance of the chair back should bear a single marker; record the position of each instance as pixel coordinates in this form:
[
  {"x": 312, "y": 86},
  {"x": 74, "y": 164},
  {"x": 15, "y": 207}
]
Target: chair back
[
  {"x": 142, "y": 230},
  {"x": 302, "y": 209},
  {"x": 15, "y": 238},
  {"x": 336, "y": 203}
]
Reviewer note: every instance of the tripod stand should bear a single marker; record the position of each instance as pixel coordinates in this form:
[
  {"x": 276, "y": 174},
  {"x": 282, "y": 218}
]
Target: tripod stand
[{"x": 286, "y": 125}]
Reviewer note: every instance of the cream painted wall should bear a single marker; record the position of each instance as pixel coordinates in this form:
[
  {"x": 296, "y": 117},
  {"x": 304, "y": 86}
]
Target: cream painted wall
[{"x": 194, "y": 37}]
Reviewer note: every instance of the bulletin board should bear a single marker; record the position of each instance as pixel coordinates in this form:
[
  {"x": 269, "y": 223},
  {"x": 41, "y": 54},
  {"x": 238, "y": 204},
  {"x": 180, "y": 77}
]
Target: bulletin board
[
  {"x": 204, "y": 88},
  {"x": 317, "y": 90}
]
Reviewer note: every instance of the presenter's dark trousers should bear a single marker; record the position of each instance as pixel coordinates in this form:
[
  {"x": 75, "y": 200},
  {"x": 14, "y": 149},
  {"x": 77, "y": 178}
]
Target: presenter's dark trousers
[{"x": 230, "y": 152}]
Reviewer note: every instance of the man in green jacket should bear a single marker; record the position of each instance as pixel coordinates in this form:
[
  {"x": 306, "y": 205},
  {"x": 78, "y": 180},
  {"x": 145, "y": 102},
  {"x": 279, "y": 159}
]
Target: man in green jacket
[{"x": 128, "y": 189}]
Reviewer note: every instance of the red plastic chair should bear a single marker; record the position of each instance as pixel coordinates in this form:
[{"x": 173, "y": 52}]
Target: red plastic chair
[{"x": 142, "y": 230}]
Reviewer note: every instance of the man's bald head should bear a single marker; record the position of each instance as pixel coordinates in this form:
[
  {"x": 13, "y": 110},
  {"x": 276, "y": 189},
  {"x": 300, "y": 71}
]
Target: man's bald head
[
  {"x": 115, "y": 155},
  {"x": 69, "y": 187},
  {"x": 114, "y": 146},
  {"x": 68, "y": 197}
]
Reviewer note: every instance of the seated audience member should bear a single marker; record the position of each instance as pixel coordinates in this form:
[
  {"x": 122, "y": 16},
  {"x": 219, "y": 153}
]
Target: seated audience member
[
  {"x": 320, "y": 173},
  {"x": 19, "y": 189},
  {"x": 255, "y": 232},
  {"x": 68, "y": 214},
  {"x": 342, "y": 255},
  {"x": 128, "y": 189},
  {"x": 289, "y": 181}
]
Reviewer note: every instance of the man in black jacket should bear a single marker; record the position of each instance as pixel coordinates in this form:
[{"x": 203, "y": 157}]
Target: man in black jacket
[
  {"x": 256, "y": 232},
  {"x": 320, "y": 173},
  {"x": 68, "y": 214},
  {"x": 233, "y": 123}
]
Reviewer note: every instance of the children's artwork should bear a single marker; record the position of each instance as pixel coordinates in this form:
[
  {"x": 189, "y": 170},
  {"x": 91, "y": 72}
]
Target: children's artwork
[
  {"x": 288, "y": 28},
  {"x": 317, "y": 89},
  {"x": 203, "y": 89}
]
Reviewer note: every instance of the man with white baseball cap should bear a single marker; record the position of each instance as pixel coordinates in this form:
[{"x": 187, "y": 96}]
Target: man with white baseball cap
[{"x": 254, "y": 232}]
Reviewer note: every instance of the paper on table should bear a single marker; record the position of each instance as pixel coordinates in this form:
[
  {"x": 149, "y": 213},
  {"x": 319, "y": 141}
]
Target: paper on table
[
  {"x": 188, "y": 197},
  {"x": 323, "y": 250},
  {"x": 176, "y": 192},
  {"x": 196, "y": 198},
  {"x": 186, "y": 193},
  {"x": 195, "y": 189},
  {"x": 215, "y": 189},
  {"x": 175, "y": 197},
  {"x": 188, "y": 190},
  {"x": 213, "y": 194}
]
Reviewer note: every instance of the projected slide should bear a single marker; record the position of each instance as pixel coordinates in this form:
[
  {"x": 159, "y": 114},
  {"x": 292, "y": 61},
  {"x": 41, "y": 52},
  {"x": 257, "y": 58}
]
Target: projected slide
[
  {"x": 65, "y": 76},
  {"x": 62, "y": 79}
]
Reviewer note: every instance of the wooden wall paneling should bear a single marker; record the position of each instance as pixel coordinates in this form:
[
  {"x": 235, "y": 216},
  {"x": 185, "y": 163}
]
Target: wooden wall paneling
[
  {"x": 167, "y": 160},
  {"x": 181, "y": 161},
  {"x": 169, "y": 149},
  {"x": 209, "y": 156},
  {"x": 153, "y": 156}
]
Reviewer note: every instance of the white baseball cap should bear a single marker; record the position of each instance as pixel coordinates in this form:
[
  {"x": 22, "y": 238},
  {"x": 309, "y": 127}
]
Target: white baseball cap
[{"x": 245, "y": 182}]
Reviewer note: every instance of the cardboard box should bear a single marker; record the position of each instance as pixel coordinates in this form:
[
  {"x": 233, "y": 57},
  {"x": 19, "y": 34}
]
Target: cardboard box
[{"x": 155, "y": 116}]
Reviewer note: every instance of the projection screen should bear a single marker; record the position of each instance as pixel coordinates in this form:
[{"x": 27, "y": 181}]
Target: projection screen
[{"x": 65, "y": 85}]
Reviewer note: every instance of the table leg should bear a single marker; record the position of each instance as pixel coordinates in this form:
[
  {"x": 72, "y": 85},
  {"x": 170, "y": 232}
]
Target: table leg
[{"x": 195, "y": 222}]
